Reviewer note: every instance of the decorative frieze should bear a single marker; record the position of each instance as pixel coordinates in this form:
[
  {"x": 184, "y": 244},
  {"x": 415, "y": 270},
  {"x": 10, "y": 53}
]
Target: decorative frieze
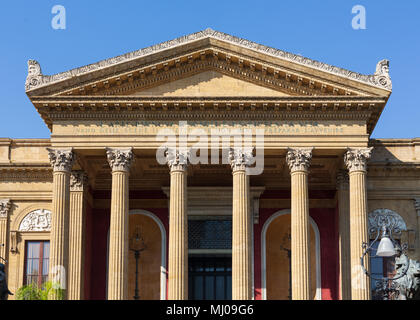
[
  {"x": 25, "y": 174},
  {"x": 356, "y": 159},
  {"x": 78, "y": 181},
  {"x": 38, "y": 220},
  {"x": 177, "y": 160},
  {"x": 5, "y": 206},
  {"x": 61, "y": 159},
  {"x": 299, "y": 159},
  {"x": 120, "y": 159},
  {"x": 240, "y": 159}
]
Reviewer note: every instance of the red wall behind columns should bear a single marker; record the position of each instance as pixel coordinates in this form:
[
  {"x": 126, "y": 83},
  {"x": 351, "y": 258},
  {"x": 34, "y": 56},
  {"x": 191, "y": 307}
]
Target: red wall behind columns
[
  {"x": 98, "y": 241},
  {"x": 97, "y": 227},
  {"x": 326, "y": 222}
]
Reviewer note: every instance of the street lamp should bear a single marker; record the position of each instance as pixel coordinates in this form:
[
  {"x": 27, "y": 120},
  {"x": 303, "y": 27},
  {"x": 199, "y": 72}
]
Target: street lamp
[
  {"x": 385, "y": 228},
  {"x": 137, "y": 245}
]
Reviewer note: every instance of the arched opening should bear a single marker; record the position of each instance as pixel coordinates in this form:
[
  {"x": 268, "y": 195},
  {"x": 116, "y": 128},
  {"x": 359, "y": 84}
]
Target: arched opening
[
  {"x": 276, "y": 273},
  {"x": 152, "y": 261}
]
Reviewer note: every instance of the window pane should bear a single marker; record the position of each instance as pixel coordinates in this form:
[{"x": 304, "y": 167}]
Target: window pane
[
  {"x": 210, "y": 234},
  {"x": 198, "y": 288},
  {"x": 46, "y": 249},
  {"x": 46, "y": 259},
  {"x": 33, "y": 249},
  {"x": 220, "y": 288},
  {"x": 209, "y": 287},
  {"x": 37, "y": 256}
]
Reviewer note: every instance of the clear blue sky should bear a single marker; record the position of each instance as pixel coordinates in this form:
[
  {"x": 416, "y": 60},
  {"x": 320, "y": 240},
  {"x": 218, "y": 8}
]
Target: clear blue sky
[{"x": 319, "y": 30}]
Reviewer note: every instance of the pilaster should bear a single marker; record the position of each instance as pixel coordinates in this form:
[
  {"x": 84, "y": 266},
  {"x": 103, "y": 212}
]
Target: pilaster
[
  {"x": 343, "y": 197},
  {"x": 5, "y": 205},
  {"x": 78, "y": 190}
]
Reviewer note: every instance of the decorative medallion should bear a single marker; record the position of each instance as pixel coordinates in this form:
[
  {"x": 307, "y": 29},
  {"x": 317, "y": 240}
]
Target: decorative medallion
[{"x": 392, "y": 220}]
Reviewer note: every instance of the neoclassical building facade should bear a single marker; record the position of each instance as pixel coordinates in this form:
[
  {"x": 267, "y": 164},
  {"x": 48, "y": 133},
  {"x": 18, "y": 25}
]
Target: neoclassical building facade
[{"x": 118, "y": 203}]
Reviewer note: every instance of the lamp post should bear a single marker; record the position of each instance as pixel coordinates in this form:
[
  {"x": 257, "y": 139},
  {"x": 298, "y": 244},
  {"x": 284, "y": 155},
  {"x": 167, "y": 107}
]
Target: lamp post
[
  {"x": 385, "y": 228},
  {"x": 137, "y": 245},
  {"x": 286, "y": 247}
]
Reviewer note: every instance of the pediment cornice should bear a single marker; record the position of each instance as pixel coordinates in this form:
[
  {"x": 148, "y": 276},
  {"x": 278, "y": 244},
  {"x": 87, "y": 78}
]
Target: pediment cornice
[{"x": 305, "y": 75}]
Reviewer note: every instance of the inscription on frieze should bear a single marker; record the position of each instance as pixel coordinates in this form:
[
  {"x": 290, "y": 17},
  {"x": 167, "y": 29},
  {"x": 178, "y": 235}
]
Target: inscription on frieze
[{"x": 150, "y": 128}]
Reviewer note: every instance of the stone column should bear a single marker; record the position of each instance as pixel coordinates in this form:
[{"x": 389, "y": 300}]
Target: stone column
[
  {"x": 120, "y": 161},
  {"x": 178, "y": 226},
  {"x": 299, "y": 161},
  {"x": 241, "y": 227},
  {"x": 62, "y": 162},
  {"x": 344, "y": 234},
  {"x": 78, "y": 190},
  {"x": 356, "y": 162},
  {"x": 5, "y": 206}
]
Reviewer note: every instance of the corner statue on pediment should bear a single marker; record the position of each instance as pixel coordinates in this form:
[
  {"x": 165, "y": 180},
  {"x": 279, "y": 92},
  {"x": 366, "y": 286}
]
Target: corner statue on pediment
[
  {"x": 381, "y": 76},
  {"x": 35, "y": 76}
]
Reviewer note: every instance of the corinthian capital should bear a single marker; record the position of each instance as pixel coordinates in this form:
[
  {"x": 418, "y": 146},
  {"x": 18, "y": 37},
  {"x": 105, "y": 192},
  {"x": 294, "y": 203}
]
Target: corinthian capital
[
  {"x": 78, "y": 181},
  {"x": 299, "y": 159},
  {"x": 177, "y": 160},
  {"x": 61, "y": 159},
  {"x": 240, "y": 159},
  {"x": 356, "y": 159},
  {"x": 120, "y": 159},
  {"x": 5, "y": 206}
]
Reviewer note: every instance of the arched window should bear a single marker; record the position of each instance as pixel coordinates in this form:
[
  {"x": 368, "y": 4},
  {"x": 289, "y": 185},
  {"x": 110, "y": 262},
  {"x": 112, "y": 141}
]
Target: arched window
[{"x": 37, "y": 252}]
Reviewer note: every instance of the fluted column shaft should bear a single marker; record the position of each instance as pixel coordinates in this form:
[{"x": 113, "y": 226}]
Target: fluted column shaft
[
  {"x": 178, "y": 227},
  {"x": 78, "y": 186},
  {"x": 241, "y": 227},
  {"x": 62, "y": 162},
  {"x": 356, "y": 161},
  {"x": 299, "y": 161},
  {"x": 120, "y": 162},
  {"x": 344, "y": 234}
]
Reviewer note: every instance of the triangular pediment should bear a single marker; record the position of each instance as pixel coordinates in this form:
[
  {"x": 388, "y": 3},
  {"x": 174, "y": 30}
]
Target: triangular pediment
[
  {"x": 156, "y": 67},
  {"x": 209, "y": 84}
]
